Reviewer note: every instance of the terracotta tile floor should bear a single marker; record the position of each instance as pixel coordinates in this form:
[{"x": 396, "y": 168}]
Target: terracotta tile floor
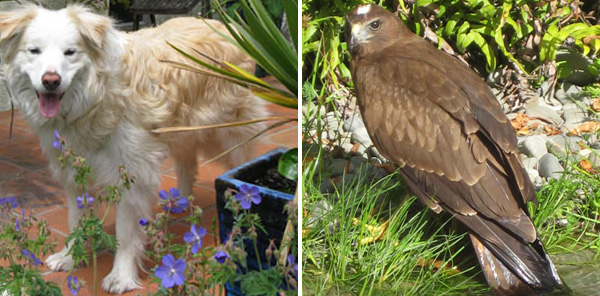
[{"x": 23, "y": 173}]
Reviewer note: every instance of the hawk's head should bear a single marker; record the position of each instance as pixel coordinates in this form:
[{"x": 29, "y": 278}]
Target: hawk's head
[{"x": 370, "y": 27}]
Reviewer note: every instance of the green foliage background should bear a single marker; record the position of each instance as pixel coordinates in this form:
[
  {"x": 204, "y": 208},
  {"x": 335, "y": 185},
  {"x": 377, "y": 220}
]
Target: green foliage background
[{"x": 520, "y": 34}]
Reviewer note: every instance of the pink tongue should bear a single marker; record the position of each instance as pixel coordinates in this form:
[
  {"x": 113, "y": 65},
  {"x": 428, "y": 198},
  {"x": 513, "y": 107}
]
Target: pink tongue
[{"x": 49, "y": 104}]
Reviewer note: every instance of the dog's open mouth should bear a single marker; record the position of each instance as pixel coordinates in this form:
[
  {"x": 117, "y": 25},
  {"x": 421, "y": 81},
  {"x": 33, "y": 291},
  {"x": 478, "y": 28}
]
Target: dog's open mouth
[{"x": 49, "y": 103}]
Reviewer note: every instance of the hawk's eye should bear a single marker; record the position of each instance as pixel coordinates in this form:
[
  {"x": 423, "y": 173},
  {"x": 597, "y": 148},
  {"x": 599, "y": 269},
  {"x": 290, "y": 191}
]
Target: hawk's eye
[{"x": 375, "y": 25}]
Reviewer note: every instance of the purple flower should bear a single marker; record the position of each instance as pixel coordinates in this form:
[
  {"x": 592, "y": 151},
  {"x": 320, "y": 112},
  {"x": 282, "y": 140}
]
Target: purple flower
[
  {"x": 175, "y": 202},
  {"x": 194, "y": 237},
  {"x": 171, "y": 271},
  {"x": 292, "y": 263},
  {"x": 143, "y": 222},
  {"x": 83, "y": 200},
  {"x": 56, "y": 143},
  {"x": 18, "y": 221},
  {"x": 10, "y": 202},
  {"x": 221, "y": 256},
  {"x": 247, "y": 196},
  {"x": 73, "y": 284},
  {"x": 31, "y": 257}
]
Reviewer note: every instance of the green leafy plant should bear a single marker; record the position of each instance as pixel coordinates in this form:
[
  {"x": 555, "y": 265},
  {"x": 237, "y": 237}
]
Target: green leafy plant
[
  {"x": 89, "y": 229},
  {"x": 21, "y": 250},
  {"x": 522, "y": 35}
]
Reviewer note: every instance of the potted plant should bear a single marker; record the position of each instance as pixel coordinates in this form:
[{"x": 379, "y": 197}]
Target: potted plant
[{"x": 259, "y": 188}]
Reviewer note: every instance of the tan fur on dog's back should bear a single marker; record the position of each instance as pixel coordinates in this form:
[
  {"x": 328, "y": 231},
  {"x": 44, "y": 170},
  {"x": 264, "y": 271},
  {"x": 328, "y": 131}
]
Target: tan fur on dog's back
[{"x": 166, "y": 95}]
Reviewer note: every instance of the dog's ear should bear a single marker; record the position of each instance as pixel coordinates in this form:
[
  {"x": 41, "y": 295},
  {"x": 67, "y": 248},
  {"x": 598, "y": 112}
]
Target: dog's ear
[
  {"x": 13, "y": 23},
  {"x": 93, "y": 27}
]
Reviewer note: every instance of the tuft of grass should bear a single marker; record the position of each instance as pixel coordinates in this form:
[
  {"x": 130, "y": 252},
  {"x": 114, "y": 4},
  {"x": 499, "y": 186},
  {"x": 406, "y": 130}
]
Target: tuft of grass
[
  {"x": 568, "y": 211},
  {"x": 371, "y": 238}
]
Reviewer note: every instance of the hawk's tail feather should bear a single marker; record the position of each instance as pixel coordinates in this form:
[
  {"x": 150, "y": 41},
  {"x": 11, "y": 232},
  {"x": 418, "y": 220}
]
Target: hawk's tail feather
[
  {"x": 502, "y": 280},
  {"x": 511, "y": 265}
]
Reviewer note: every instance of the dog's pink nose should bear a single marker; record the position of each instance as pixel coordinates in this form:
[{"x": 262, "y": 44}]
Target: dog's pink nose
[{"x": 51, "y": 80}]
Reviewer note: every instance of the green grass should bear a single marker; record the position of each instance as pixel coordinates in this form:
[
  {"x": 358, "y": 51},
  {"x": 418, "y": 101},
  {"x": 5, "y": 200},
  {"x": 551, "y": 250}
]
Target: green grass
[
  {"x": 576, "y": 198},
  {"x": 343, "y": 255}
]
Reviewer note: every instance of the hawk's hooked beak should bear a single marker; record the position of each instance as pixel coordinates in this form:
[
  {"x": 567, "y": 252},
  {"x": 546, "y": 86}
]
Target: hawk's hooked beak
[{"x": 356, "y": 36}]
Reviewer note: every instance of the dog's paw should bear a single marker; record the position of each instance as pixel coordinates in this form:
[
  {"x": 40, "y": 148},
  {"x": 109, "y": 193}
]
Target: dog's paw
[
  {"x": 117, "y": 282},
  {"x": 60, "y": 261}
]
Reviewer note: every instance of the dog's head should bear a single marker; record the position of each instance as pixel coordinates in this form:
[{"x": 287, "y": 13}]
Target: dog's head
[{"x": 52, "y": 48}]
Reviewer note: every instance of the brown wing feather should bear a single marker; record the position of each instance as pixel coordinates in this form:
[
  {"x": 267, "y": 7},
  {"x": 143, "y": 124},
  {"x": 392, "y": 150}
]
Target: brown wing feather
[{"x": 422, "y": 128}]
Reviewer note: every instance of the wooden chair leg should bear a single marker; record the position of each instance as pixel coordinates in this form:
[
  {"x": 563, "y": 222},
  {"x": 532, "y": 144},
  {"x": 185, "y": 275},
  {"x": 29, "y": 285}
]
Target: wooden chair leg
[{"x": 136, "y": 22}]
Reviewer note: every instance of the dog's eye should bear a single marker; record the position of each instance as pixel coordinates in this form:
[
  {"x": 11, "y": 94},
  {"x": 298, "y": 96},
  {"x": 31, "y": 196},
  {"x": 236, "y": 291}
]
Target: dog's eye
[
  {"x": 70, "y": 51},
  {"x": 34, "y": 50}
]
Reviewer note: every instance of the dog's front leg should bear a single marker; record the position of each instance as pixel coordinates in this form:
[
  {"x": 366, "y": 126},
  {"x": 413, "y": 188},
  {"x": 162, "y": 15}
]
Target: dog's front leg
[
  {"x": 62, "y": 261},
  {"x": 134, "y": 205}
]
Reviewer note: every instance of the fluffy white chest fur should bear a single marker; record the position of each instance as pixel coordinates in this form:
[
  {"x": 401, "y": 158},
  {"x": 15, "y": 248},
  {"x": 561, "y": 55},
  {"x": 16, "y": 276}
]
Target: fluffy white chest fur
[{"x": 104, "y": 91}]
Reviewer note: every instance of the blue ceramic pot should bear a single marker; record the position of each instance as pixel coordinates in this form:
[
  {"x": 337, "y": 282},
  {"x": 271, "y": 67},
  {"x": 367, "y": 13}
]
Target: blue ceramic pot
[{"x": 271, "y": 209}]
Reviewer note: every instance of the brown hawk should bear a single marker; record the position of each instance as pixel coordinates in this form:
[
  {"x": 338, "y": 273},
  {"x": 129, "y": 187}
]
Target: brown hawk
[{"x": 440, "y": 122}]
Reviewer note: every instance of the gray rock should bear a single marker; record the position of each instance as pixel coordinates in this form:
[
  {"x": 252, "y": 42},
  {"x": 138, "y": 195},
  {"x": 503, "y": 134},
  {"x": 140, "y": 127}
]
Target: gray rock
[
  {"x": 594, "y": 158},
  {"x": 337, "y": 167},
  {"x": 567, "y": 92},
  {"x": 373, "y": 152},
  {"x": 347, "y": 182},
  {"x": 355, "y": 163},
  {"x": 533, "y": 174},
  {"x": 562, "y": 222},
  {"x": 379, "y": 173},
  {"x": 360, "y": 135},
  {"x": 549, "y": 167},
  {"x": 357, "y": 160},
  {"x": 573, "y": 115},
  {"x": 327, "y": 186},
  {"x": 535, "y": 101},
  {"x": 362, "y": 151},
  {"x": 561, "y": 144},
  {"x": 520, "y": 140},
  {"x": 494, "y": 78},
  {"x": 592, "y": 141},
  {"x": 535, "y": 146},
  {"x": 530, "y": 163},
  {"x": 333, "y": 134},
  {"x": 332, "y": 122},
  {"x": 584, "y": 152},
  {"x": 331, "y": 119},
  {"x": 313, "y": 109},
  {"x": 364, "y": 171},
  {"x": 544, "y": 89},
  {"x": 318, "y": 211},
  {"x": 497, "y": 92},
  {"x": 347, "y": 146},
  {"x": 544, "y": 112},
  {"x": 353, "y": 122},
  {"x": 511, "y": 116}
]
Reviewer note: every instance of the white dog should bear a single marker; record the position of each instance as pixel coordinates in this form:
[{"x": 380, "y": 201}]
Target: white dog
[{"x": 104, "y": 91}]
